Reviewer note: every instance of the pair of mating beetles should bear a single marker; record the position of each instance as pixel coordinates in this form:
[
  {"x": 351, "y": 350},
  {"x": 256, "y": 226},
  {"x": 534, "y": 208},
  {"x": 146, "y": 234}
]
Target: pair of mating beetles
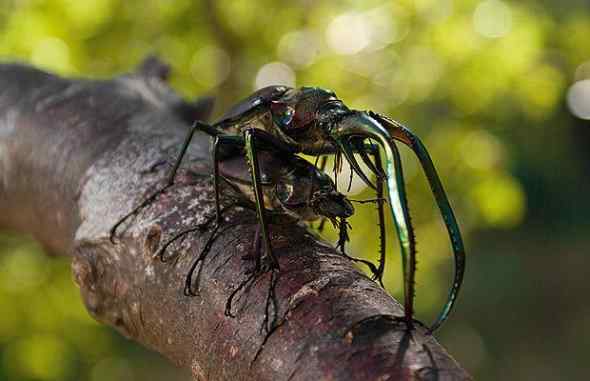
[{"x": 273, "y": 125}]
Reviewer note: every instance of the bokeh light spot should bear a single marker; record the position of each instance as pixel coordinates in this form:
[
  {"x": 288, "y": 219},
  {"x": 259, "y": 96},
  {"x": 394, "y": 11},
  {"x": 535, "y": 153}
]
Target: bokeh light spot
[
  {"x": 353, "y": 32},
  {"x": 481, "y": 150},
  {"x": 348, "y": 33},
  {"x": 384, "y": 27},
  {"x": 210, "y": 66},
  {"x": 500, "y": 200},
  {"x": 540, "y": 90},
  {"x": 492, "y": 19},
  {"x": 274, "y": 73},
  {"x": 578, "y": 99},
  {"x": 299, "y": 48}
]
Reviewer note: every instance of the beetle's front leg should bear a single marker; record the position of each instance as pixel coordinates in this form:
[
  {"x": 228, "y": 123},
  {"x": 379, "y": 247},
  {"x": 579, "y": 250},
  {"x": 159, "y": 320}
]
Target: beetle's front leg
[
  {"x": 398, "y": 203},
  {"x": 373, "y": 149},
  {"x": 252, "y": 157},
  {"x": 403, "y": 134},
  {"x": 377, "y": 169},
  {"x": 343, "y": 237}
]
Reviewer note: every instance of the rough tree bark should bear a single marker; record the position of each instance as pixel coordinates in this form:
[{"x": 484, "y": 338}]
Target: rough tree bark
[{"x": 75, "y": 155}]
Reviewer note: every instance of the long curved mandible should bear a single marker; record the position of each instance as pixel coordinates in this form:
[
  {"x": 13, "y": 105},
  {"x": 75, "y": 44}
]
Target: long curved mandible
[
  {"x": 404, "y": 135},
  {"x": 360, "y": 124}
]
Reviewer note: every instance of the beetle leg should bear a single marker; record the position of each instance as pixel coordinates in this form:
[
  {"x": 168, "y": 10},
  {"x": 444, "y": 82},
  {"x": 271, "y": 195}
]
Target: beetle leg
[
  {"x": 197, "y": 126},
  {"x": 229, "y": 301},
  {"x": 374, "y": 150},
  {"x": 361, "y": 124},
  {"x": 343, "y": 236},
  {"x": 343, "y": 226},
  {"x": 267, "y": 325},
  {"x": 214, "y": 149},
  {"x": 160, "y": 253},
  {"x": 271, "y": 301},
  {"x": 403, "y": 134},
  {"x": 169, "y": 182},
  {"x": 377, "y": 168},
  {"x": 405, "y": 232},
  {"x": 188, "y": 290},
  {"x": 251, "y": 136},
  {"x": 143, "y": 204},
  {"x": 251, "y": 155}
]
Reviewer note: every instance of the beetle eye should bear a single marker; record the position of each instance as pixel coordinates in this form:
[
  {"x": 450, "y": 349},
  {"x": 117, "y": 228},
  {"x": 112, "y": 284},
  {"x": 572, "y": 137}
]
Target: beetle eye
[{"x": 282, "y": 113}]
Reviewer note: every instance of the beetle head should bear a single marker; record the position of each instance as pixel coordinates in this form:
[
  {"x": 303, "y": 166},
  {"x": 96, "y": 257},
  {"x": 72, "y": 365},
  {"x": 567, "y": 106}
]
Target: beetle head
[
  {"x": 308, "y": 193},
  {"x": 296, "y": 111},
  {"x": 331, "y": 205}
]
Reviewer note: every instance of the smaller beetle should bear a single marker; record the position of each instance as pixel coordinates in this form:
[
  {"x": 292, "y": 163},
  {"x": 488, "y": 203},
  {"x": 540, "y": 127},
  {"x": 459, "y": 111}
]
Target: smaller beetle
[{"x": 291, "y": 186}]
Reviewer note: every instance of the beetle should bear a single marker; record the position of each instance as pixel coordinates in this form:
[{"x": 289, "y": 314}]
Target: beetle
[{"x": 313, "y": 121}]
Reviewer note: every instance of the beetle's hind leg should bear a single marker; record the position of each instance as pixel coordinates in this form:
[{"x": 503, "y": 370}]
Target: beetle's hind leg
[
  {"x": 197, "y": 126},
  {"x": 271, "y": 303},
  {"x": 373, "y": 149},
  {"x": 188, "y": 288},
  {"x": 343, "y": 227},
  {"x": 182, "y": 234},
  {"x": 137, "y": 209}
]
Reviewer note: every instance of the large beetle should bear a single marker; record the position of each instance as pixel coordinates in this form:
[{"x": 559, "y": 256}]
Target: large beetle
[{"x": 314, "y": 121}]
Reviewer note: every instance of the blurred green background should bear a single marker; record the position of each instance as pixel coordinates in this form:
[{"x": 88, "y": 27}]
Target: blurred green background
[{"x": 498, "y": 90}]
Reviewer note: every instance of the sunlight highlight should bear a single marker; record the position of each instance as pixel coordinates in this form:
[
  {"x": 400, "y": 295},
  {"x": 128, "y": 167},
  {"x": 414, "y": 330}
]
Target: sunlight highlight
[
  {"x": 578, "y": 99},
  {"x": 274, "y": 73},
  {"x": 492, "y": 19}
]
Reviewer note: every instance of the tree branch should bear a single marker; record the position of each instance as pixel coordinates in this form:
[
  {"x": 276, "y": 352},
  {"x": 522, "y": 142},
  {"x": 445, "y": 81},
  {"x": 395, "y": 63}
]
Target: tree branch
[{"x": 76, "y": 155}]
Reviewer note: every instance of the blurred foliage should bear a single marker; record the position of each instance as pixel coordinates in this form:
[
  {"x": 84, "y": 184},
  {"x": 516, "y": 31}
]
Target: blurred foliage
[{"x": 486, "y": 84}]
